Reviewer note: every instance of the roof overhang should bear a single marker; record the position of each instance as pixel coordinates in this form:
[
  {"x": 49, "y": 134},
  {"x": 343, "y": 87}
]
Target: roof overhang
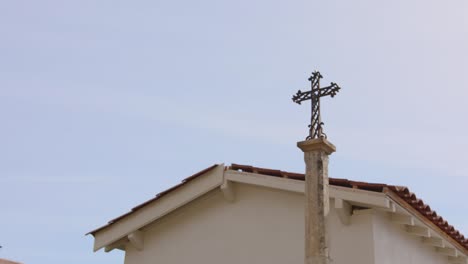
[
  {"x": 118, "y": 231},
  {"x": 125, "y": 229}
]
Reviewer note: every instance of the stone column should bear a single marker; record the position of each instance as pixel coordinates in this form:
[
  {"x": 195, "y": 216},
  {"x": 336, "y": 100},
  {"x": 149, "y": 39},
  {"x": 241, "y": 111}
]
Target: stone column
[{"x": 316, "y": 152}]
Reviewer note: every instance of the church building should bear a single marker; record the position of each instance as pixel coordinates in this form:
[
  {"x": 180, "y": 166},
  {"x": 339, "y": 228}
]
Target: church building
[{"x": 243, "y": 214}]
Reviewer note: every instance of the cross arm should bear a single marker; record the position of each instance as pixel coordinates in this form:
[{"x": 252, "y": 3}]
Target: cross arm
[
  {"x": 331, "y": 90},
  {"x": 301, "y": 96}
]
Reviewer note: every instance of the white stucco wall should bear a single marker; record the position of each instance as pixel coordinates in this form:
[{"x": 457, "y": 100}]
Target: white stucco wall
[
  {"x": 394, "y": 245},
  {"x": 351, "y": 243},
  {"x": 261, "y": 226}
]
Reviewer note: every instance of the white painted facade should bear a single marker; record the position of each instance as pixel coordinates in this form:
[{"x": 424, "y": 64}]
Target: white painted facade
[
  {"x": 226, "y": 216},
  {"x": 265, "y": 225},
  {"x": 392, "y": 244}
]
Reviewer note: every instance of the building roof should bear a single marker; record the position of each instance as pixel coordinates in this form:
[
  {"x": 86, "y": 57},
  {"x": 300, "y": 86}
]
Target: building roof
[
  {"x": 403, "y": 194},
  {"x": 6, "y": 261}
]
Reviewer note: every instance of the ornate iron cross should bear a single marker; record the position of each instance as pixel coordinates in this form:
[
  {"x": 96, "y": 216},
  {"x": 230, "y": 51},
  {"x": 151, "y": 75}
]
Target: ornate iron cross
[{"x": 315, "y": 127}]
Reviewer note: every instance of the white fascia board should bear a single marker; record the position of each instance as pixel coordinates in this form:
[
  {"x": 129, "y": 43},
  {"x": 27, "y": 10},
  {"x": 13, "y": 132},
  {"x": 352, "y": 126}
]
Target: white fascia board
[
  {"x": 353, "y": 196},
  {"x": 360, "y": 197},
  {"x": 166, "y": 204},
  {"x": 265, "y": 181}
]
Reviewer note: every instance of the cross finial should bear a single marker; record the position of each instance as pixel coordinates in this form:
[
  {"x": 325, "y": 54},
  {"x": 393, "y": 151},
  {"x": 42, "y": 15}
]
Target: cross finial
[{"x": 315, "y": 127}]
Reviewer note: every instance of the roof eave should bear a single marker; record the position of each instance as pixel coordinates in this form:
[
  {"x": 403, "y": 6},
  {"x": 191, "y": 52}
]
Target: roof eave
[{"x": 142, "y": 215}]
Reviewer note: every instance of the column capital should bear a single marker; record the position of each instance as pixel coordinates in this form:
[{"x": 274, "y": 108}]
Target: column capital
[{"x": 316, "y": 144}]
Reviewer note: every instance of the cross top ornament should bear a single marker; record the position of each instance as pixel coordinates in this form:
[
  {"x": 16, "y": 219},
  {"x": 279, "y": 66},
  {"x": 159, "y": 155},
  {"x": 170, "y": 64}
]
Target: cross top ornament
[{"x": 315, "y": 127}]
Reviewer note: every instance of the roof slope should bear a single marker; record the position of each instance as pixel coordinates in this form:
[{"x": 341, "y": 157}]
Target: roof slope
[
  {"x": 157, "y": 197},
  {"x": 6, "y": 261},
  {"x": 403, "y": 193}
]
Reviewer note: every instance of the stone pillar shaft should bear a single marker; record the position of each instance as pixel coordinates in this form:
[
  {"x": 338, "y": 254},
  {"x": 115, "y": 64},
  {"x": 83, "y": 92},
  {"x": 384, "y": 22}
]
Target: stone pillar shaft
[{"x": 316, "y": 154}]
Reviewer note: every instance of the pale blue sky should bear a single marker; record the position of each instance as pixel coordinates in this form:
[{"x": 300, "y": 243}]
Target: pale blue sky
[{"x": 105, "y": 103}]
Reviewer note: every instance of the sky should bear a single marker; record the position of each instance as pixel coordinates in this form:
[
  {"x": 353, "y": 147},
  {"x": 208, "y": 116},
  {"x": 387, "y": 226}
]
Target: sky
[{"x": 105, "y": 103}]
